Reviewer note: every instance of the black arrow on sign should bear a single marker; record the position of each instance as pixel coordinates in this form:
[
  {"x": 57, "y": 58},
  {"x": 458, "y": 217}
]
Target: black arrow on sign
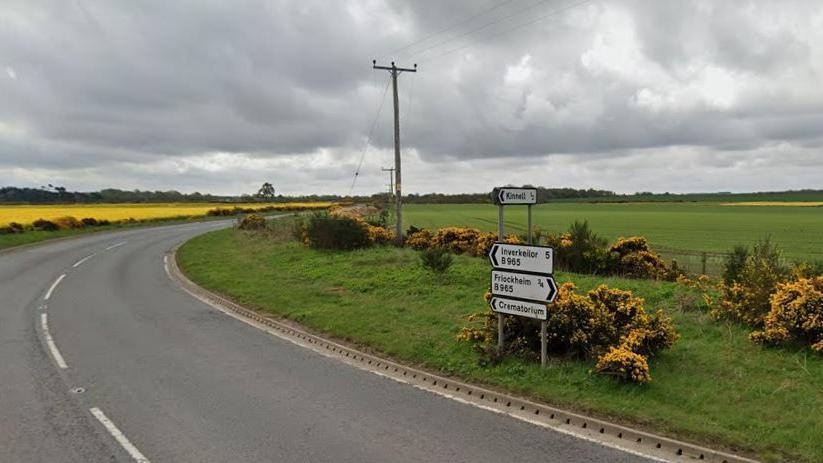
[
  {"x": 552, "y": 289},
  {"x": 500, "y": 195},
  {"x": 493, "y": 255}
]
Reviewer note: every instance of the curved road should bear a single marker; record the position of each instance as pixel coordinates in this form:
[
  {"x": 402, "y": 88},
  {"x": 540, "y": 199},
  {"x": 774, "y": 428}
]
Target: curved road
[{"x": 166, "y": 378}]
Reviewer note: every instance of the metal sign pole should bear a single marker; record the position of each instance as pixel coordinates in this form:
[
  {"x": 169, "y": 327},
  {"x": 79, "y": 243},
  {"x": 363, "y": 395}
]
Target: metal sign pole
[
  {"x": 543, "y": 323},
  {"x": 543, "y": 344},
  {"x": 530, "y": 224},
  {"x": 501, "y": 231}
]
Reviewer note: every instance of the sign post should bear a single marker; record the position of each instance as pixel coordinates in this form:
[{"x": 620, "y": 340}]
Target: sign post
[{"x": 521, "y": 278}]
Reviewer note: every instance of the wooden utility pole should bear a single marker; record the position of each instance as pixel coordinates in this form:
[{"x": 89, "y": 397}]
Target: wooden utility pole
[{"x": 395, "y": 71}]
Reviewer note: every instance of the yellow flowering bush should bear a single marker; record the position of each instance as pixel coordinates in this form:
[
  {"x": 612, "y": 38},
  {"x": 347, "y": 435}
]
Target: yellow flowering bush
[
  {"x": 419, "y": 240},
  {"x": 624, "y": 364},
  {"x": 608, "y": 324},
  {"x": 67, "y": 222},
  {"x": 796, "y": 314},
  {"x": 379, "y": 235},
  {"x": 458, "y": 240},
  {"x": 747, "y": 297},
  {"x": 633, "y": 258},
  {"x": 252, "y": 222}
]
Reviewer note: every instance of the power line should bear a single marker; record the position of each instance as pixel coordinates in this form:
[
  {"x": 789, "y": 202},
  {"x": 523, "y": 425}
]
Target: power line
[
  {"x": 479, "y": 28},
  {"x": 368, "y": 138},
  {"x": 506, "y": 31},
  {"x": 448, "y": 28}
]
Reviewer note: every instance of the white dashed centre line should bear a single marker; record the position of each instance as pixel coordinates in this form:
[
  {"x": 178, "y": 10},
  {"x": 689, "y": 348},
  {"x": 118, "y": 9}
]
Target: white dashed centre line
[
  {"x": 115, "y": 246},
  {"x": 119, "y": 436},
  {"x": 80, "y": 262},
  {"x": 58, "y": 358},
  {"x": 53, "y": 286}
]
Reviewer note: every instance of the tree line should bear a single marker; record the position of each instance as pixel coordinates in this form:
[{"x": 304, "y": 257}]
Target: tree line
[{"x": 60, "y": 195}]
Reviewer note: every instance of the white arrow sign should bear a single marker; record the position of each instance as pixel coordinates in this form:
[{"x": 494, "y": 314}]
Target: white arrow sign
[
  {"x": 516, "y": 196},
  {"x": 536, "y": 259},
  {"x": 521, "y": 308},
  {"x": 539, "y": 288}
]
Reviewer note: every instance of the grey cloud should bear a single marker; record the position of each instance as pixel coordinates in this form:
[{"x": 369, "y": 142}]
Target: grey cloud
[{"x": 102, "y": 86}]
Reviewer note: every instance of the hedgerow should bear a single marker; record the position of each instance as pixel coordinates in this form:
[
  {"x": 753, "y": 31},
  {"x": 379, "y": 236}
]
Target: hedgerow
[{"x": 579, "y": 250}]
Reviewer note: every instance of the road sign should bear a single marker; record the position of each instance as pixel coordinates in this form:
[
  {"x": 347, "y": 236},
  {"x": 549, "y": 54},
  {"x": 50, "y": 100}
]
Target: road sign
[
  {"x": 521, "y": 308},
  {"x": 522, "y": 258},
  {"x": 505, "y": 196},
  {"x": 540, "y": 288}
]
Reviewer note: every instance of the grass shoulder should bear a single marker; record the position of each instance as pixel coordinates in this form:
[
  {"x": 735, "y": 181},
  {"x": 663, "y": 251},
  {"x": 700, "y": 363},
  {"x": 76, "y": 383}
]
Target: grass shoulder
[{"x": 713, "y": 386}]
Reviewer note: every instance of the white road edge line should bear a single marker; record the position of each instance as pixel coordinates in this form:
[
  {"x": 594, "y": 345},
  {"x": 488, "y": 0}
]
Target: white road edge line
[
  {"x": 166, "y": 265},
  {"x": 53, "y": 286},
  {"x": 115, "y": 246},
  {"x": 80, "y": 262},
  {"x": 118, "y": 436},
  {"x": 58, "y": 358},
  {"x": 436, "y": 391}
]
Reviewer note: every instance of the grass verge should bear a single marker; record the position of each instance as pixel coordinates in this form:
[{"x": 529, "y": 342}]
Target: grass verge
[{"x": 714, "y": 386}]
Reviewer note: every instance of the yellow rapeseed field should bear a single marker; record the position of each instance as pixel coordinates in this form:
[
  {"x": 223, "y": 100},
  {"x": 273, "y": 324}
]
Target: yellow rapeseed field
[
  {"x": 25, "y": 214},
  {"x": 777, "y": 203}
]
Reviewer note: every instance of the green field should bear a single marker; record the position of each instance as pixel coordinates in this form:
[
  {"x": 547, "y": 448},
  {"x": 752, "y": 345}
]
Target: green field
[
  {"x": 678, "y": 230},
  {"x": 714, "y": 386}
]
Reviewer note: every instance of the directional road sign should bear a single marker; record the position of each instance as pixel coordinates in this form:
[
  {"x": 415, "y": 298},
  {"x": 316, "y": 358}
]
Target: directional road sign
[
  {"x": 505, "y": 196},
  {"x": 540, "y": 288},
  {"x": 522, "y": 258},
  {"x": 521, "y": 308}
]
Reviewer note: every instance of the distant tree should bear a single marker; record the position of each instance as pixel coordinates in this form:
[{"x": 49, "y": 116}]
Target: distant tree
[{"x": 266, "y": 191}]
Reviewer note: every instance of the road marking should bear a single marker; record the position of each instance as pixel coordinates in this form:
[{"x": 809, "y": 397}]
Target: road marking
[
  {"x": 115, "y": 246},
  {"x": 118, "y": 436},
  {"x": 54, "y": 285},
  {"x": 58, "y": 358},
  {"x": 80, "y": 262},
  {"x": 166, "y": 264},
  {"x": 432, "y": 390}
]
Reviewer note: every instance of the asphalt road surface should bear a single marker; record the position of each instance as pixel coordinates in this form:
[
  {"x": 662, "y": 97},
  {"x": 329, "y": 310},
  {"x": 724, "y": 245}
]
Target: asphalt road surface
[{"x": 166, "y": 378}]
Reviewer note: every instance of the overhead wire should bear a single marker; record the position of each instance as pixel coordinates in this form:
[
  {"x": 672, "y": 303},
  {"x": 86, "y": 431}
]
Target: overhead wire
[
  {"x": 368, "y": 137},
  {"x": 512, "y": 29},
  {"x": 448, "y": 28},
  {"x": 479, "y": 28}
]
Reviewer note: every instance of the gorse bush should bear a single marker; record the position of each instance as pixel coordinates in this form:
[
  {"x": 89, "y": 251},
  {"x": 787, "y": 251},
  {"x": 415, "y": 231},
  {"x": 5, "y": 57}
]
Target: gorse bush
[
  {"x": 584, "y": 251},
  {"x": 746, "y": 299},
  {"x": 580, "y": 250},
  {"x": 44, "y": 225},
  {"x": 437, "y": 260},
  {"x": 12, "y": 227},
  {"x": 796, "y": 314},
  {"x": 607, "y": 324},
  {"x": 457, "y": 240},
  {"x": 461, "y": 240},
  {"x": 631, "y": 257},
  {"x": 252, "y": 222},
  {"x": 335, "y": 232},
  {"x": 419, "y": 239},
  {"x": 68, "y": 223},
  {"x": 735, "y": 262}
]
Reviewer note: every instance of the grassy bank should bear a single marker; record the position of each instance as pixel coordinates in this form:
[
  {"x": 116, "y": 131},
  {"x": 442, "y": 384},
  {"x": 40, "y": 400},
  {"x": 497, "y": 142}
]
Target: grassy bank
[{"x": 714, "y": 386}]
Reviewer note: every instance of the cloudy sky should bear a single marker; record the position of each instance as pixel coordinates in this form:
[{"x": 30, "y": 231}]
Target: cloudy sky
[{"x": 219, "y": 96}]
